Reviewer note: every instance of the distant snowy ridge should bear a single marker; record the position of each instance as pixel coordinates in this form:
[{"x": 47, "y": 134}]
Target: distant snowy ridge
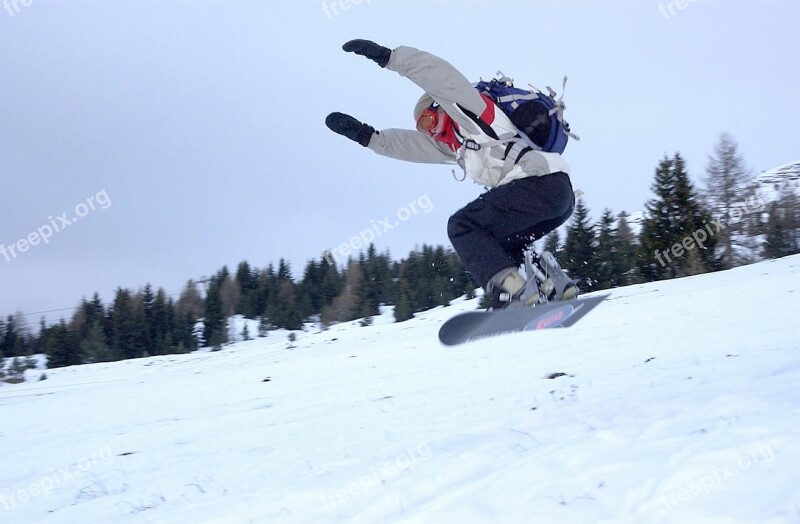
[
  {"x": 770, "y": 183},
  {"x": 768, "y": 186}
]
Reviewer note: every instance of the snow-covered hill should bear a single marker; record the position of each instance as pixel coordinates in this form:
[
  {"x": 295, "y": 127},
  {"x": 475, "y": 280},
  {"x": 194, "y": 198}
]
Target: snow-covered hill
[
  {"x": 770, "y": 183},
  {"x": 675, "y": 401}
]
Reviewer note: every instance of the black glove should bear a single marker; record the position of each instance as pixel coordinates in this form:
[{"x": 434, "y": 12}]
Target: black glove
[
  {"x": 348, "y": 126},
  {"x": 379, "y": 54}
]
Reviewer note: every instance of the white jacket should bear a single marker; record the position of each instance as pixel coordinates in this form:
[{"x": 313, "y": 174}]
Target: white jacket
[{"x": 457, "y": 97}]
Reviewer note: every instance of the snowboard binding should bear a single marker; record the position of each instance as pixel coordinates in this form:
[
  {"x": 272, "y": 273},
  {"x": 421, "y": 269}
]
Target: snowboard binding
[{"x": 545, "y": 280}]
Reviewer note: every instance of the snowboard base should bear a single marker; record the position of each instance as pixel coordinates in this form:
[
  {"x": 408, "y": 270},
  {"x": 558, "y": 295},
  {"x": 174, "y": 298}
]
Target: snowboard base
[{"x": 475, "y": 325}]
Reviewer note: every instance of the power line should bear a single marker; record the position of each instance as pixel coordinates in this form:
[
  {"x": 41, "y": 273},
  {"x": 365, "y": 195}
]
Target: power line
[
  {"x": 201, "y": 280},
  {"x": 48, "y": 311}
]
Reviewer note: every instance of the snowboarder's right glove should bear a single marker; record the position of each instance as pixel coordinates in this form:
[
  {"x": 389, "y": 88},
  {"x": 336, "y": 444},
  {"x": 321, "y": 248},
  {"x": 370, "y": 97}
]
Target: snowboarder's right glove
[
  {"x": 377, "y": 53},
  {"x": 348, "y": 126}
]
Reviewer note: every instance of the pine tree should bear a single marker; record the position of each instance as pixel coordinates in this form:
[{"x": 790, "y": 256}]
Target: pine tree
[
  {"x": 229, "y": 293},
  {"x": 284, "y": 270},
  {"x": 628, "y": 246},
  {"x": 125, "y": 323},
  {"x": 430, "y": 277},
  {"x": 87, "y": 314},
  {"x": 695, "y": 218},
  {"x": 675, "y": 223},
  {"x": 369, "y": 291},
  {"x": 188, "y": 310},
  {"x": 2, "y": 341},
  {"x": 343, "y": 307},
  {"x": 184, "y": 335},
  {"x": 290, "y": 314},
  {"x": 215, "y": 326},
  {"x": 149, "y": 341},
  {"x": 445, "y": 271},
  {"x": 9, "y": 339},
  {"x": 776, "y": 243},
  {"x": 162, "y": 324},
  {"x": 726, "y": 181},
  {"x": 402, "y": 308},
  {"x": 61, "y": 346},
  {"x": 607, "y": 254},
  {"x": 331, "y": 284},
  {"x": 94, "y": 346},
  {"x": 552, "y": 244},
  {"x": 417, "y": 272},
  {"x": 310, "y": 289},
  {"x": 15, "y": 337},
  {"x": 284, "y": 308},
  {"x": 411, "y": 269},
  {"x": 190, "y": 302},
  {"x": 247, "y": 282},
  {"x": 321, "y": 283},
  {"x": 23, "y": 341},
  {"x": 579, "y": 259},
  {"x": 789, "y": 205},
  {"x": 267, "y": 286},
  {"x": 460, "y": 281},
  {"x": 659, "y": 227}
]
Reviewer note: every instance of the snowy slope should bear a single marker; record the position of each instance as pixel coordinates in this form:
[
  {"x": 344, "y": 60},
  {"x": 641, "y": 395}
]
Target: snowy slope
[{"x": 672, "y": 402}]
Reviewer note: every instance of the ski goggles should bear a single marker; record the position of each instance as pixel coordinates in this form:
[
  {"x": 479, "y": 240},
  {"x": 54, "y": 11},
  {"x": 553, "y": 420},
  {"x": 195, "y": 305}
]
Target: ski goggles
[{"x": 426, "y": 123}]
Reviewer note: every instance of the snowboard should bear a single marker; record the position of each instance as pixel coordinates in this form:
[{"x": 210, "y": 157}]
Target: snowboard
[{"x": 475, "y": 325}]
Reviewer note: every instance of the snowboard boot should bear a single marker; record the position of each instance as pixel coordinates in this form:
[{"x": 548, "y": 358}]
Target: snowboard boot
[
  {"x": 557, "y": 285},
  {"x": 510, "y": 290}
]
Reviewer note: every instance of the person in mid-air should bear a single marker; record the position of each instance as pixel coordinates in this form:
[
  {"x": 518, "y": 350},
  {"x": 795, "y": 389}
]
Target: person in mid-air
[{"x": 530, "y": 193}]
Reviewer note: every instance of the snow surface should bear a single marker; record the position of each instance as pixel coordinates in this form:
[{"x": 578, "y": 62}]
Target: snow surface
[{"x": 674, "y": 401}]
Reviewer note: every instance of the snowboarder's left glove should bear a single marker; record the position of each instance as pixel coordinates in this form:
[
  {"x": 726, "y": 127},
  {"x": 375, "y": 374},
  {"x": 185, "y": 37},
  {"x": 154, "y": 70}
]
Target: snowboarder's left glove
[
  {"x": 350, "y": 127},
  {"x": 377, "y": 53}
]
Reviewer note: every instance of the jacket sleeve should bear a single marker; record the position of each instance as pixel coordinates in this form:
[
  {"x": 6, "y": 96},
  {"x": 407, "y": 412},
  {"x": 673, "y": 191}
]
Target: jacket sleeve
[
  {"x": 437, "y": 77},
  {"x": 411, "y": 146}
]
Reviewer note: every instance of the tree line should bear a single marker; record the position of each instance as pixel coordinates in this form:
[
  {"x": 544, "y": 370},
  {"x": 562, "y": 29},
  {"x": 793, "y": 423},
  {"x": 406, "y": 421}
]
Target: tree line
[
  {"x": 147, "y": 322},
  {"x": 685, "y": 230}
]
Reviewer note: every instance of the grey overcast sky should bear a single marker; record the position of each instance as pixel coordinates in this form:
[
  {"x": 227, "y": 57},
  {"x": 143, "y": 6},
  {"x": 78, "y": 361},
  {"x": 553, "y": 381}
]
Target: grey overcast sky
[{"x": 160, "y": 140}]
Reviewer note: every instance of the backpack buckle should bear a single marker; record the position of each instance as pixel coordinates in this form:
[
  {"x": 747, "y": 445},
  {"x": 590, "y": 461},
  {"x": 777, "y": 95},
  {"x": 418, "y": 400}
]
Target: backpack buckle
[{"x": 472, "y": 145}]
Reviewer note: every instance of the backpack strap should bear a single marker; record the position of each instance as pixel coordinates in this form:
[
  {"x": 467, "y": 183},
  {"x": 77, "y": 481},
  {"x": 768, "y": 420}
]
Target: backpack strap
[
  {"x": 511, "y": 99},
  {"x": 516, "y": 146},
  {"x": 559, "y": 108}
]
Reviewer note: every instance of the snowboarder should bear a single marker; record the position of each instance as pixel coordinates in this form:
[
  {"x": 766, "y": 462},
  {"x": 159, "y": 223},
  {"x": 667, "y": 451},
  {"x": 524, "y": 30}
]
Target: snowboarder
[{"x": 529, "y": 191}]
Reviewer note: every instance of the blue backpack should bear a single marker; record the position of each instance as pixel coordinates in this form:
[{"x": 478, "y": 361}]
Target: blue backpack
[{"x": 539, "y": 116}]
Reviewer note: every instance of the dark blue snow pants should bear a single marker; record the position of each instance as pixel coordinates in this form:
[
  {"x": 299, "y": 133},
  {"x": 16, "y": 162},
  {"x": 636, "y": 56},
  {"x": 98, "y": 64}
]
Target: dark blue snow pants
[{"x": 491, "y": 232}]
